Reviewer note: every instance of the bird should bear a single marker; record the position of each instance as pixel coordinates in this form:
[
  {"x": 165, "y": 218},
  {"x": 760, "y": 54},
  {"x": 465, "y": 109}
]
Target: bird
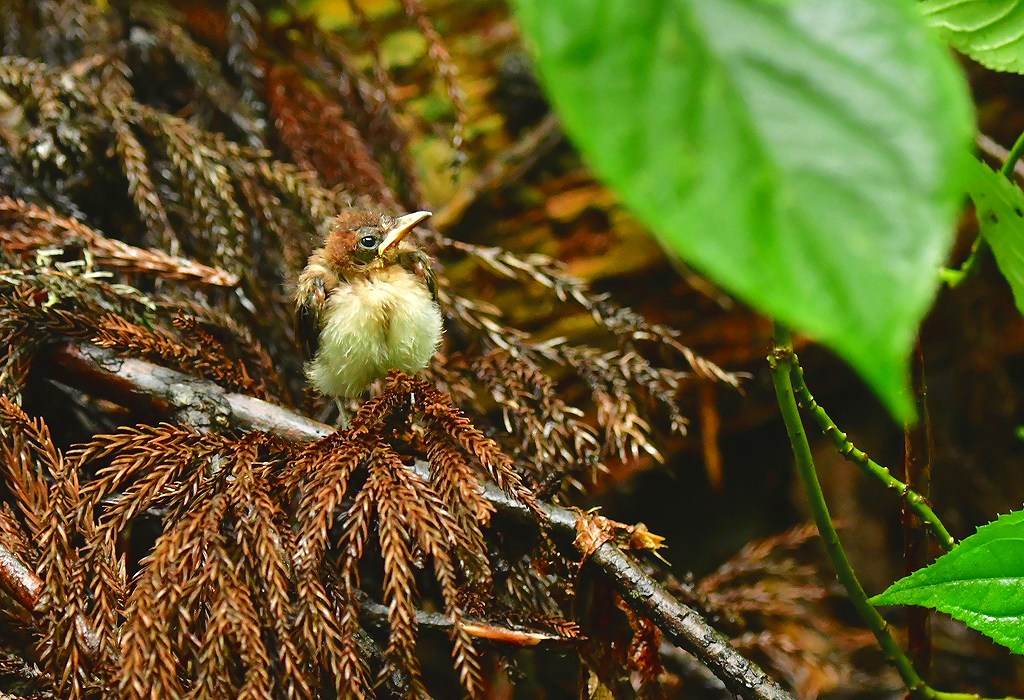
[{"x": 366, "y": 303}]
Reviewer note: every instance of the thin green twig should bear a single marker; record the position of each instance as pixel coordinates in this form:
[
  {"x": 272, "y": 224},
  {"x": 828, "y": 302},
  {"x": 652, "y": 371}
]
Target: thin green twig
[
  {"x": 954, "y": 276},
  {"x": 915, "y": 501},
  {"x": 1011, "y": 159},
  {"x": 783, "y": 364}
]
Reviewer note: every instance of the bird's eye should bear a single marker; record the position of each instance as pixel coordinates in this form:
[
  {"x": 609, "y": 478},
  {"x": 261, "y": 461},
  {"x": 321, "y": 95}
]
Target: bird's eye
[{"x": 368, "y": 242}]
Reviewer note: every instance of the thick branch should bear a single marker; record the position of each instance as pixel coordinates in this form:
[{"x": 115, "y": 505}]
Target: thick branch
[
  {"x": 20, "y": 582},
  {"x": 24, "y": 585},
  {"x": 205, "y": 405}
]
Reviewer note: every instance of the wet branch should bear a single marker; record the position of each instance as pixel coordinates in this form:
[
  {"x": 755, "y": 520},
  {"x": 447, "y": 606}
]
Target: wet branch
[
  {"x": 18, "y": 580},
  {"x": 206, "y": 406}
]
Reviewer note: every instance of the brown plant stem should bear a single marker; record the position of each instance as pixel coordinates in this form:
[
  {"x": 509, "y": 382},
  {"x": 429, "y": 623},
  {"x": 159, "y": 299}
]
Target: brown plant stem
[
  {"x": 507, "y": 166},
  {"x": 374, "y": 615},
  {"x": 205, "y": 405},
  {"x": 917, "y": 472}
]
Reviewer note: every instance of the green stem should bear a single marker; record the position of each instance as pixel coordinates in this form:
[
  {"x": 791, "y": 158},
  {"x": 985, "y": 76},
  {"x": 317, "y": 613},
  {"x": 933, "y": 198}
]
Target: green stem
[
  {"x": 783, "y": 363},
  {"x": 1012, "y": 157},
  {"x": 954, "y": 276},
  {"x": 915, "y": 501},
  {"x": 784, "y": 367}
]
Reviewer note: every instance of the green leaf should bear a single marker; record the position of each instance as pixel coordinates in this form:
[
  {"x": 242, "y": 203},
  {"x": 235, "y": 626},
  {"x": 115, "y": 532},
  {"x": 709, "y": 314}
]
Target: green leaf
[
  {"x": 980, "y": 581},
  {"x": 989, "y": 31},
  {"x": 999, "y": 205},
  {"x": 801, "y": 153}
]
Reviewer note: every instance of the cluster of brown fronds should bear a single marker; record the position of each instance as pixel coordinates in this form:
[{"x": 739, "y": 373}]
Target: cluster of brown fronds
[
  {"x": 775, "y": 604},
  {"x": 163, "y": 175},
  {"x": 252, "y": 586}
]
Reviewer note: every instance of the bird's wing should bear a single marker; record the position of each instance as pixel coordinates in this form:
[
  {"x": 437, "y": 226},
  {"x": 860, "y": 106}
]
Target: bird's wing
[
  {"x": 310, "y": 300},
  {"x": 307, "y": 329},
  {"x": 423, "y": 267}
]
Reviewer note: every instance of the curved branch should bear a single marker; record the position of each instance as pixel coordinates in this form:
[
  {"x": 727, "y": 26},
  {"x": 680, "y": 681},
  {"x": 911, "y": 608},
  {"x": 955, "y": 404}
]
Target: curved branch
[
  {"x": 204, "y": 405},
  {"x": 917, "y": 503}
]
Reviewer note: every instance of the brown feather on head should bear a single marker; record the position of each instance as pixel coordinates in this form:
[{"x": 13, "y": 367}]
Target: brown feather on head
[
  {"x": 338, "y": 248},
  {"x": 354, "y": 218},
  {"x": 344, "y": 232},
  {"x": 357, "y": 238}
]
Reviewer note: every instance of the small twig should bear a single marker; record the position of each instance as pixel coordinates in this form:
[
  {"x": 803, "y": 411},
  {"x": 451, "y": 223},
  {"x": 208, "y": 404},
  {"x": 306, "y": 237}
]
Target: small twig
[
  {"x": 917, "y": 470},
  {"x": 375, "y": 615},
  {"x": 203, "y": 405},
  {"x": 915, "y": 501},
  {"x": 506, "y": 167}
]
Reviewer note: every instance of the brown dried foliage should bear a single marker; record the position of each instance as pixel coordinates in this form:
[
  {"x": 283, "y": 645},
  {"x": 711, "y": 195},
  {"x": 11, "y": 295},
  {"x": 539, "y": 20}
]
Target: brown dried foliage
[
  {"x": 253, "y": 581},
  {"x": 775, "y": 602},
  {"x": 163, "y": 174}
]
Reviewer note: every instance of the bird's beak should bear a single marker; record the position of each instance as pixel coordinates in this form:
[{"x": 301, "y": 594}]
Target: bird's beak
[{"x": 403, "y": 225}]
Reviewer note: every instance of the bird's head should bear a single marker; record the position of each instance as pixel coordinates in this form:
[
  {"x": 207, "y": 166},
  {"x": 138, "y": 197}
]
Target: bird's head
[{"x": 360, "y": 241}]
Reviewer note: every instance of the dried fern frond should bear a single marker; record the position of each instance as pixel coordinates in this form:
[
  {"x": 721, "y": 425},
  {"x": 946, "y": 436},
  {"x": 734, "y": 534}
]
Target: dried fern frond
[
  {"x": 321, "y": 139},
  {"x": 443, "y": 517},
  {"x": 230, "y": 600},
  {"x": 325, "y": 59},
  {"x": 778, "y": 605},
  {"x": 54, "y": 303},
  {"x": 28, "y": 459},
  {"x": 48, "y": 494},
  {"x": 25, "y": 228}
]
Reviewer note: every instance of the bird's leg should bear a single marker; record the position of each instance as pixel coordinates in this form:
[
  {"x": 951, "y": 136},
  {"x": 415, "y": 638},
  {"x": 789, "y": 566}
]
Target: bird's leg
[{"x": 344, "y": 416}]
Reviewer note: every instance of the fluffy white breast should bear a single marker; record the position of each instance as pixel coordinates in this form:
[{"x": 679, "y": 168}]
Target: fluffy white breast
[{"x": 383, "y": 322}]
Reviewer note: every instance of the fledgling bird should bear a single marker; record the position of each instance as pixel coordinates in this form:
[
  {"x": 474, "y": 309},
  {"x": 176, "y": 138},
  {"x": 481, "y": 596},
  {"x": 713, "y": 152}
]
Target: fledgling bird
[{"x": 366, "y": 303}]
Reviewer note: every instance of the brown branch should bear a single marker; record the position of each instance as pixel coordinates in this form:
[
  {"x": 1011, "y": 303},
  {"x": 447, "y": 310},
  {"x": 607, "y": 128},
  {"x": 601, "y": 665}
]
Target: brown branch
[
  {"x": 917, "y": 472},
  {"x": 20, "y": 582},
  {"x": 375, "y": 615},
  {"x": 508, "y": 166},
  {"x": 205, "y": 405},
  {"x": 25, "y": 586}
]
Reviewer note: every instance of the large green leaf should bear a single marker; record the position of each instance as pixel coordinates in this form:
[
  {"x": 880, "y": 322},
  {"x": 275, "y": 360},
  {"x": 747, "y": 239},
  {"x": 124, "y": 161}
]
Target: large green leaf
[
  {"x": 802, "y": 153},
  {"x": 989, "y": 31},
  {"x": 999, "y": 205},
  {"x": 980, "y": 581}
]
